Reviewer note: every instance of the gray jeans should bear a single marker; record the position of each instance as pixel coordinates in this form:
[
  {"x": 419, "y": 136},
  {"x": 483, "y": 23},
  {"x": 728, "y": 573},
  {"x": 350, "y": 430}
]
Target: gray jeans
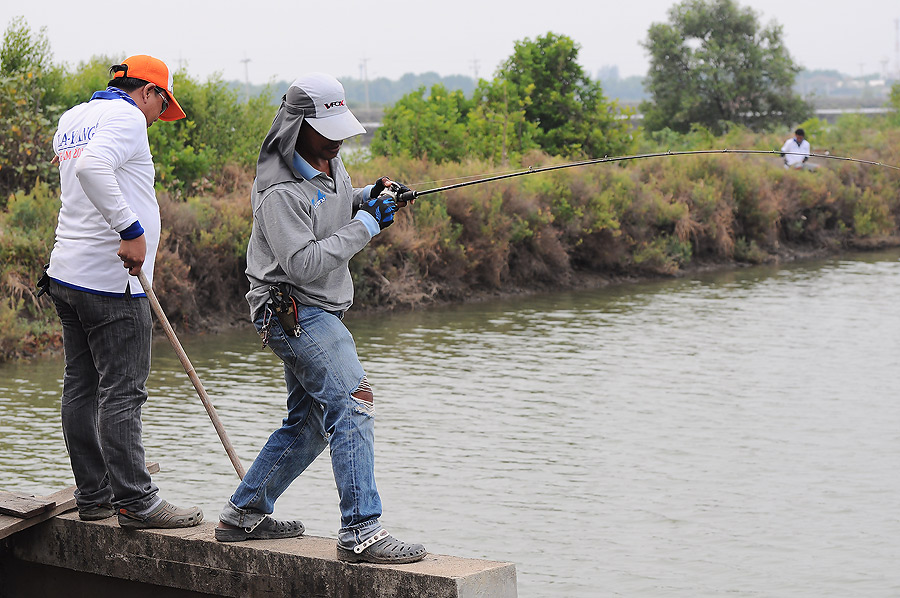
[{"x": 107, "y": 346}]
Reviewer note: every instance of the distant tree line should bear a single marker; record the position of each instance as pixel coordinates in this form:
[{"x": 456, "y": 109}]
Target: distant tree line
[
  {"x": 379, "y": 92},
  {"x": 540, "y": 98},
  {"x": 814, "y": 84}
]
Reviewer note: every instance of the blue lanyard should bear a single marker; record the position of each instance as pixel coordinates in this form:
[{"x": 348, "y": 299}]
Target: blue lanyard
[{"x": 113, "y": 93}]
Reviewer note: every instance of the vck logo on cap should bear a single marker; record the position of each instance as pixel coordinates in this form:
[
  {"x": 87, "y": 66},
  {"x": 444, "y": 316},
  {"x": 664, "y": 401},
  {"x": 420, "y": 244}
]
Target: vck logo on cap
[{"x": 330, "y": 105}]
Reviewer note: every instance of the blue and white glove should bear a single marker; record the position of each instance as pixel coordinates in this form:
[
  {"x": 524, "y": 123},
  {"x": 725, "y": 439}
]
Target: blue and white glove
[{"x": 382, "y": 209}]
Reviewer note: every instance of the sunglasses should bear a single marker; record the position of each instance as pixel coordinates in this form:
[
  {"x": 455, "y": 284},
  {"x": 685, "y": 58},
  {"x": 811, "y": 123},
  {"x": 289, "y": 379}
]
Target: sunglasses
[{"x": 165, "y": 100}]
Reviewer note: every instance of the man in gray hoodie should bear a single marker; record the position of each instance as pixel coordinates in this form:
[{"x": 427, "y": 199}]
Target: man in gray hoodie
[{"x": 308, "y": 221}]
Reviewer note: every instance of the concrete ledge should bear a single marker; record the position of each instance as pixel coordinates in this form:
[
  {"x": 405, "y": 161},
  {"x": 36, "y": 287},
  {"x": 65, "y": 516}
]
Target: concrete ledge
[{"x": 191, "y": 560}]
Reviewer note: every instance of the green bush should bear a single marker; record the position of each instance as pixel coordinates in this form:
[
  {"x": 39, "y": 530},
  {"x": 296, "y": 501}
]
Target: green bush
[
  {"x": 662, "y": 255},
  {"x": 27, "y": 324},
  {"x": 749, "y": 251},
  {"x": 432, "y": 127},
  {"x": 220, "y": 129},
  {"x": 28, "y": 83},
  {"x": 872, "y": 216}
]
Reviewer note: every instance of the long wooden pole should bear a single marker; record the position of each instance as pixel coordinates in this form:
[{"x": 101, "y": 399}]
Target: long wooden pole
[{"x": 189, "y": 369}]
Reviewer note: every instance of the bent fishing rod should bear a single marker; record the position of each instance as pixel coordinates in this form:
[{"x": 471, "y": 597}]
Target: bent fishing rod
[{"x": 412, "y": 195}]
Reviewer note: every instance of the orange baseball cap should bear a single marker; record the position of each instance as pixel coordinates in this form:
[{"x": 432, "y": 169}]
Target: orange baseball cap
[{"x": 152, "y": 70}]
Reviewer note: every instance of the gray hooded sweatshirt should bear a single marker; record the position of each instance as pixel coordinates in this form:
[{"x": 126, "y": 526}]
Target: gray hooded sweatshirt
[{"x": 304, "y": 233}]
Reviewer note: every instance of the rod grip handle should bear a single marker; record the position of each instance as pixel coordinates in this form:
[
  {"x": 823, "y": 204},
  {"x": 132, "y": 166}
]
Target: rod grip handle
[{"x": 407, "y": 196}]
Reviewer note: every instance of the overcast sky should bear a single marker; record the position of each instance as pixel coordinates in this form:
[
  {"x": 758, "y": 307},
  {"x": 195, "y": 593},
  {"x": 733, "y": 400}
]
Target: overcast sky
[{"x": 283, "y": 39}]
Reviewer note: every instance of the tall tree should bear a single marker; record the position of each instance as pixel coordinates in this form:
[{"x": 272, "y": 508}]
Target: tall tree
[
  {"x": 712, "y": 64},
  {"x": 572, "y": 115},
  {"x": 539, "y": 98}
]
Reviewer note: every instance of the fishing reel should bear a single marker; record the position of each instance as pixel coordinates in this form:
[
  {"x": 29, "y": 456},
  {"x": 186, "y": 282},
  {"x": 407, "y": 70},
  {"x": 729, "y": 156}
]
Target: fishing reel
[{"x": 401, "y": 194}]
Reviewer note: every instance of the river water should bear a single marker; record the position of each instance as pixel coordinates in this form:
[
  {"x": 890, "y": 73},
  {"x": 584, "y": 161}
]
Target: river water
[{"x": 727, "y": 434}]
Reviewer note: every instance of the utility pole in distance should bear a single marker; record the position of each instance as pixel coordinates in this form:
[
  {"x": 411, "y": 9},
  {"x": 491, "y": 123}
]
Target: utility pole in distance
[
  {"x": 246, "y": 62},
  {"x": 897, "y": 48},
  {"x": 364, "y": 75}
]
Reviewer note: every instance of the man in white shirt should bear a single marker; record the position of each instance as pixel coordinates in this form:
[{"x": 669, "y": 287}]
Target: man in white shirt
[
  {"x": 795, "y": 150},
  {"x": 109, "y": 217}
]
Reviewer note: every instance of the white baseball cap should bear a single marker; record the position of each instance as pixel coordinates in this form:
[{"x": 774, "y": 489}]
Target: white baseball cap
[{"x": 321, "y": 99}]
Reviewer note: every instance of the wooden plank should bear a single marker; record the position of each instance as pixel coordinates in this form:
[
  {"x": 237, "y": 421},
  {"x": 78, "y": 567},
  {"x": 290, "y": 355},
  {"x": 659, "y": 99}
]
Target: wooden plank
[
  {"x": 64, "y": 501},
  {"x": 22, "y": 506}
]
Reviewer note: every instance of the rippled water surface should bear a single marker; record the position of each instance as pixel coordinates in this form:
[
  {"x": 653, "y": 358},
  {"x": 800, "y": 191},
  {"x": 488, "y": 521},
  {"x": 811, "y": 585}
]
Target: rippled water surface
[{"x": 733, "y": 434}]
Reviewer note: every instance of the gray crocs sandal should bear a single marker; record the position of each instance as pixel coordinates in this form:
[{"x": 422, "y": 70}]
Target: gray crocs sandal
[
  {"x": 266, "y": 529},
  {"x": 382, "y": 549},
  {"x": 164, "y": 516},
  {"x": 96, "y": 512}
]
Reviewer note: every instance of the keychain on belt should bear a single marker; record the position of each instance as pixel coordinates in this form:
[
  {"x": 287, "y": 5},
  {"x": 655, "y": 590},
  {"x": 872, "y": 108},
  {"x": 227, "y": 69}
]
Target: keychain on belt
[{"x": 284, "y": 307}]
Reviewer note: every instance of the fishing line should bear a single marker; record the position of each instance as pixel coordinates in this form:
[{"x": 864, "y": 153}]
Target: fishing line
[
  {"x": 459, "y": 178},
  {"x": 411, "y": 195}
]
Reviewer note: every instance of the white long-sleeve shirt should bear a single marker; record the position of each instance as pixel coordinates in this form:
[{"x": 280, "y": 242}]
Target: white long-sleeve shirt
[
  {"x": 106, "y": 179},
  {"x": 791, "y": 145}
]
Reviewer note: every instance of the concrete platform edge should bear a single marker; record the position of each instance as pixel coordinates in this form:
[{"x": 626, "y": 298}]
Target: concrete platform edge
[{"x": 190, "y": 559}]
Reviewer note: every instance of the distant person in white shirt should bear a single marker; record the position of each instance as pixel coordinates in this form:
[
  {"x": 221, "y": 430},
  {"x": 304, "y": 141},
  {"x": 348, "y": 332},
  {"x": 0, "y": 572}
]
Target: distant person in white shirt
[
  {"x": 109, "y": 218},
  {"x": 795, "y": 152}
]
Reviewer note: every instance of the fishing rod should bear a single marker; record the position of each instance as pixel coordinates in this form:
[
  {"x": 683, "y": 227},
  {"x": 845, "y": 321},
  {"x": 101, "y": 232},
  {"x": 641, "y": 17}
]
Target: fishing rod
[{"x": 412, "y": 195}]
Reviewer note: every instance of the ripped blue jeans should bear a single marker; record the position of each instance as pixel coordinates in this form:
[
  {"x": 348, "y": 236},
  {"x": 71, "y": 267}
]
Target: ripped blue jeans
[{"x": 329, "y": 403}]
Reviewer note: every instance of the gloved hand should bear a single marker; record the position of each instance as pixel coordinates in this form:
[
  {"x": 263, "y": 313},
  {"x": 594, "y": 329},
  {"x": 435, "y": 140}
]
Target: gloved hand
[
  {"x": 379, "y": 186},
  {"x": 382, "y": 209},
  {"x": 399, "y": 189},
  {"x": 393, "y": 188}
]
